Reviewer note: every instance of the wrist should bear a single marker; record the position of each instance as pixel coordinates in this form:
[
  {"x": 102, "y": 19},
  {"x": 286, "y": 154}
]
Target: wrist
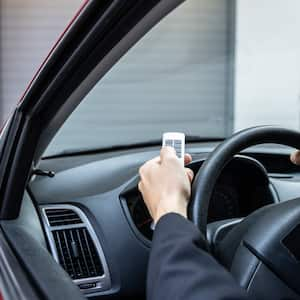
[{"x": 175, "y": 206}]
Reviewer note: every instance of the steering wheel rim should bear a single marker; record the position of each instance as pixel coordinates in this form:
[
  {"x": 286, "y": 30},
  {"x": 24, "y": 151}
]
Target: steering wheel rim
[{"x": 206, "y": 178}]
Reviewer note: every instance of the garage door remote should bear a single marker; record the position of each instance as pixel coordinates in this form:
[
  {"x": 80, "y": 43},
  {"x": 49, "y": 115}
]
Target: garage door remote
[{"x": 177, "y": 141}]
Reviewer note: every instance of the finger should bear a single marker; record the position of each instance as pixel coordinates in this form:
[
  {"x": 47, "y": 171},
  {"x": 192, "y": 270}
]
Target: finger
[
  {"x": 187, "y": 158},
  {"x": 143, "y": 169},
  {"x": 167, "y": 153},
  {"x": 155, "y": 160},
  {"x": 295, "y": 157},
  {"x": 190, "y": 174},
  {"x": 140, "y": 186}
]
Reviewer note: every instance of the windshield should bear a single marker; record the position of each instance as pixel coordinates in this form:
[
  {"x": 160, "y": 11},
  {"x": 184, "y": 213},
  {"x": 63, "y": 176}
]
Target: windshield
[{"x": 208, "y": 69}]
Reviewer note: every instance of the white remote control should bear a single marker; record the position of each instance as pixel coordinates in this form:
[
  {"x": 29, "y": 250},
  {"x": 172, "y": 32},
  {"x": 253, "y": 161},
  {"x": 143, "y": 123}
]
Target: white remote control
[{"x": 177, "y": 141}]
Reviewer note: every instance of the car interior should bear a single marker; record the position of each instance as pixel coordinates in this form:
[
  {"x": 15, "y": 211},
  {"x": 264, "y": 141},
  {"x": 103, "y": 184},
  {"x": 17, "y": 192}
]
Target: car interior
[
  {"x": 91, "y": 217},
  {"x": 82, "y": 228}
]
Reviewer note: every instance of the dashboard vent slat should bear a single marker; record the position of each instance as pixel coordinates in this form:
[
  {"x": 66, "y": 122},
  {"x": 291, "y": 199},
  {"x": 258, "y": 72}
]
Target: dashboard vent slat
[
  {"x": 77, "y": 253},
  {"x": 59, "y": 249},
  {"x": 86, "y": 266},
  {"x": 89, "y": 254},
  {"x": 59, "y": 217},
  {"x": 76, "y": 247}
]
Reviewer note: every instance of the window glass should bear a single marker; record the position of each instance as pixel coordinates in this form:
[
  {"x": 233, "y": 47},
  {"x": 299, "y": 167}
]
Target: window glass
[
  {"x": 177, "y": 78},
  {"x": 211, "y": 67}
]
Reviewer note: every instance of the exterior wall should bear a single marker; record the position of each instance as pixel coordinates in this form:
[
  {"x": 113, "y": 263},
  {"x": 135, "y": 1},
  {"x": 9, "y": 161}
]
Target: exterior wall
[{"x": 267, "y": 70}]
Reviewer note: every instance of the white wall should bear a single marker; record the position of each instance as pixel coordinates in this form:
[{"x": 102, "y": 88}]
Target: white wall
[{"x": 267, "y": 76}]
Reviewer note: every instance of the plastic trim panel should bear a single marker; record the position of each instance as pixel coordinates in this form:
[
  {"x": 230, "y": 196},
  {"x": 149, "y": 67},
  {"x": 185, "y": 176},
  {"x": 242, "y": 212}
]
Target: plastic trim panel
[{"x": 103, "y": 283}]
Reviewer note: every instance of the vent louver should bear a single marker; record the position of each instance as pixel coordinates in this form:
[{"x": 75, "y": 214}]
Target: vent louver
[
  {"x": 76, "y": 247},
  {"x": 59, "y": 217},
  {"x": 77, "y": 253}
]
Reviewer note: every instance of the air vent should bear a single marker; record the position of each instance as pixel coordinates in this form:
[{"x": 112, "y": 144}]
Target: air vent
[
  {"x": 77, "y": 253},
  {"x": 58, "y": 217},
  {"x": 76, "y": 247}
]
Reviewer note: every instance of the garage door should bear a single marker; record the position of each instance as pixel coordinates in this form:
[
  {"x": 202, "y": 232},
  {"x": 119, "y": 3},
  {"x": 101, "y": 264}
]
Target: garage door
[
  {"x": 177, "y": 78},
  {"x": 28, "y": 29}
]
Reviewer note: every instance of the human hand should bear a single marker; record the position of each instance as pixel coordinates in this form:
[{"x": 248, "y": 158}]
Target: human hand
[
  {"x": 165, "y": 184},
  {"x": 295, "y": 157}
]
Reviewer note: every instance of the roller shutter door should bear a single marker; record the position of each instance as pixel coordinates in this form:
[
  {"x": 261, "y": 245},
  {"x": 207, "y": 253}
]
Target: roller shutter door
[
  {"x": 28, "y": 30},
  {"x": 178, "y": 77}
]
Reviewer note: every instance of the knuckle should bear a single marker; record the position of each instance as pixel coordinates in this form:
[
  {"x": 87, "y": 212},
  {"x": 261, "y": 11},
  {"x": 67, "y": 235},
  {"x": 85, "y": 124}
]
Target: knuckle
[
  {"x": 147, "y": 165},
  {"x": 172, "y": 159},
  {"x": 142, "y": 170},
  {"x": 140, "y": 186}
]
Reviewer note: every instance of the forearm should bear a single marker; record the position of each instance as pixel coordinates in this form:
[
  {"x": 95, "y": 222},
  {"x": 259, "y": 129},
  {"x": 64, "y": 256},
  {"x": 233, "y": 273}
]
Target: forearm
[{"x": 179, "y": 268}]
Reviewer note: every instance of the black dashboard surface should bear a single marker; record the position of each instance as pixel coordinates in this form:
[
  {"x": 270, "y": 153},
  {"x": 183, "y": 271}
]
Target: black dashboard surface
[{"x": 94, "y": 183}]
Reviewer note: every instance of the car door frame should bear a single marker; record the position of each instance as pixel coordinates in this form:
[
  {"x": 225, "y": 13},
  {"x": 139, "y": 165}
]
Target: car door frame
[{"x": 99, "y": 35}]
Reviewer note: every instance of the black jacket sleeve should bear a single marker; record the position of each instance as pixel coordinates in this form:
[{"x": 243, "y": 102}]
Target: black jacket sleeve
[{"x": 179, "y": 268}]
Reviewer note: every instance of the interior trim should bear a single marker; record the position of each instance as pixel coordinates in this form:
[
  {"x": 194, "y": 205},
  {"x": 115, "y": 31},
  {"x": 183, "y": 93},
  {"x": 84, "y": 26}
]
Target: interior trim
[{"x": 103, "y": 283}]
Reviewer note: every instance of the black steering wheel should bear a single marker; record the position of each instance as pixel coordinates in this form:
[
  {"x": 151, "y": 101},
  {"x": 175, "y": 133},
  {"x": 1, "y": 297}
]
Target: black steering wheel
[{"x": 264, "y": 248}]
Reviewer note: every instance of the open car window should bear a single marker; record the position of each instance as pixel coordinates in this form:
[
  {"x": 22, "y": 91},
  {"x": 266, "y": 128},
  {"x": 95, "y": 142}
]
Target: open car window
[
  {"x": 207, "y": 69},
  {"x": 173, "y": 79}
]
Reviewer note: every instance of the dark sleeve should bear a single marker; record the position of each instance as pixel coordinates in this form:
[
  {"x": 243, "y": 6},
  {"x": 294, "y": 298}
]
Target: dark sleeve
[{"x": 179, "y": 268}]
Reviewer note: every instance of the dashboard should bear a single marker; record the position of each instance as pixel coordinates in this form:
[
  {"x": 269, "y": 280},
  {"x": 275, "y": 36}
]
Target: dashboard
[
  {"x": 242, "y": 188},
  {"x": 99, "y": 191}
]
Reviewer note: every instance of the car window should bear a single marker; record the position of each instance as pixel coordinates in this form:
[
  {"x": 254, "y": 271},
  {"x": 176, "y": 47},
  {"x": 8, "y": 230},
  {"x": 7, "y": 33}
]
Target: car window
[{"x": 207, "y": 69}]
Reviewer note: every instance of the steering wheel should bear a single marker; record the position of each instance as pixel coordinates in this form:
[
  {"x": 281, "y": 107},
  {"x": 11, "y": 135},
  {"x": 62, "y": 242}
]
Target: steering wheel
[{"x": 263, "y": 251}]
